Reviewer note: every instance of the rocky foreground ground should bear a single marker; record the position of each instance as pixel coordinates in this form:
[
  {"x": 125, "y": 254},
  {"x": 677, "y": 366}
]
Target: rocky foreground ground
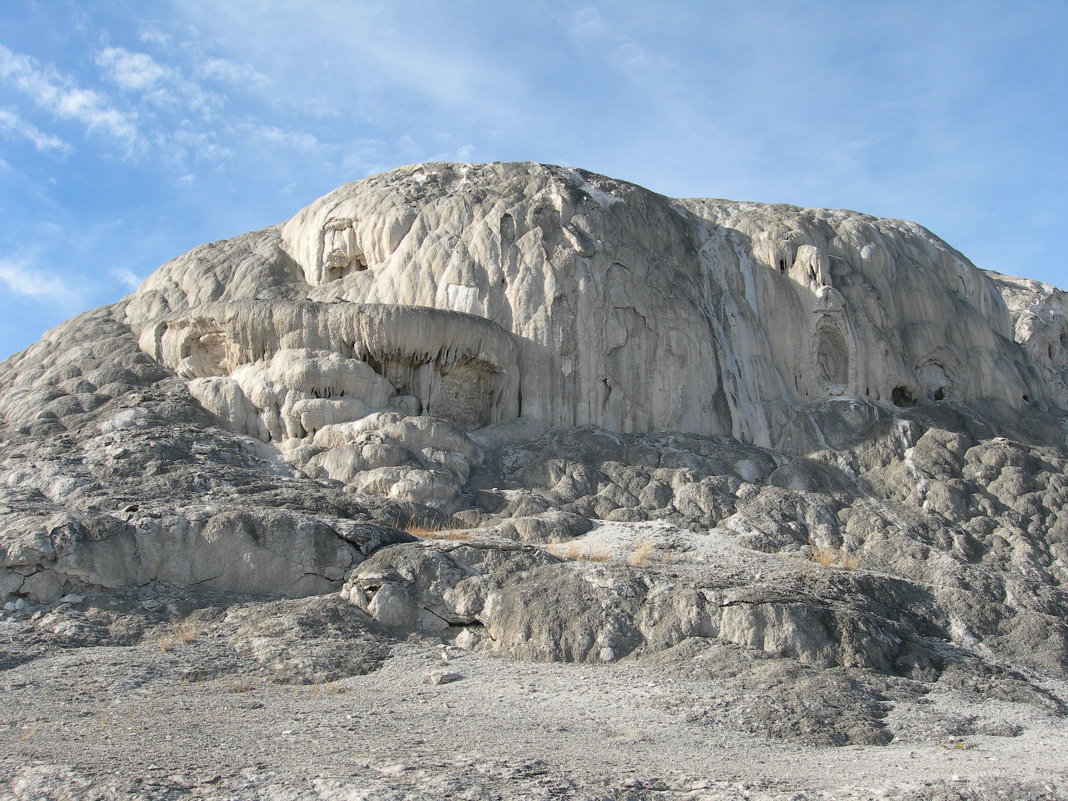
[{"x": 143, "y": 695}]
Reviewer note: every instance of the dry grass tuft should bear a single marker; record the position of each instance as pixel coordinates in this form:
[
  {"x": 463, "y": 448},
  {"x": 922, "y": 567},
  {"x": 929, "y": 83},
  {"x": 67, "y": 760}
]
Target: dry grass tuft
[
  {"x": 432, "y": 531},
  {"x": 180, "y": 634},
  {"x": 833, "y": 557},
  {"x": 450, "y": 534},
  {"x": 641, "y": 554},
  {"x": 580, "y": 552},
  {"x": 185, "y": 632},
  {"x": 420, "y": 531}
]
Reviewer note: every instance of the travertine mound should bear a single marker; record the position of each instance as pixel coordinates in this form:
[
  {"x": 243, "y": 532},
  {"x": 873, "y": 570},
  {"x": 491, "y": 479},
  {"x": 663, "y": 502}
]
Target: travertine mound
[
  {"x": 627, "y": 310},
  {"x": 619, "y": 423}
]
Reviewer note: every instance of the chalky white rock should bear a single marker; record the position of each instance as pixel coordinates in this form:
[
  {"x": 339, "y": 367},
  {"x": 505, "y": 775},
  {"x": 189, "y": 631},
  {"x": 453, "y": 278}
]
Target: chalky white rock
[{"x": 611, "y": 422}]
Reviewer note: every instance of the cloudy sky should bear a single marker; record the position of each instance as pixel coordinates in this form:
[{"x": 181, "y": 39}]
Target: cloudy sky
[{"x": 132, "y": 131}]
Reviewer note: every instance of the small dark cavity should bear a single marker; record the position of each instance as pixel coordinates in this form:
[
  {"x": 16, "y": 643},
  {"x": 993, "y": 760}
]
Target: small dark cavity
[{"x": 904, "y": 397}]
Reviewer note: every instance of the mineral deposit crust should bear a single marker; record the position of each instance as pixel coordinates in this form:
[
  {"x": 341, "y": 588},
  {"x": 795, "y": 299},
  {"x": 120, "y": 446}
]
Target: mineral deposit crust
[{"x": 624, "y": 309}]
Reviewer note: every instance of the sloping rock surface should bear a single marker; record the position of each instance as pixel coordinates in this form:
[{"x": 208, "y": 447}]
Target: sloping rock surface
[{"x": 539, "y": 413}]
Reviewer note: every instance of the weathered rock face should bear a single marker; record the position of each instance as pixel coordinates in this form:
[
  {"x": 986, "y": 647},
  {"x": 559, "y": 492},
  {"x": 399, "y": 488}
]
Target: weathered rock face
[
  {"x": 301, "y": 366},
  {"x": 813, "y": 434},
  {"x": 627, "y": 309},
  {"x": 1040, "y": 323}
]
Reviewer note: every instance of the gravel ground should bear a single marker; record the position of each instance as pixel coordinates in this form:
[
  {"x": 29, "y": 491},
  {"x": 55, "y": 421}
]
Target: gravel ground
[{"x": 206, "y": 708}]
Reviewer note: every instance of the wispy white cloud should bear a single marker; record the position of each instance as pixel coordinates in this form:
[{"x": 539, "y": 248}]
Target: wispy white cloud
[
  {"x": 125, "y": 277},
  {"x": 221, "y": 69},
  {"x": 158, "y": 105},
  {"x": 91, "y": 108},
  {"x": 293, "y": 139},
  {"x": 154, "y": 36},
  {"x": 174, "y": 118},
  {"x": 11, "y": 124},
  {"x": 20, "y": 278},
  {"x": 187, "y": 142},
  {"x": 59, "y": 95},
  {"x": 586, "y": 22},
  {"x": 160, "y": 85},
  {"x": 591, "y": 34},
  {"x": 364, "y": 157},
  {"x": 131, "y": 71},
  {"x": 371, "y": 61}
]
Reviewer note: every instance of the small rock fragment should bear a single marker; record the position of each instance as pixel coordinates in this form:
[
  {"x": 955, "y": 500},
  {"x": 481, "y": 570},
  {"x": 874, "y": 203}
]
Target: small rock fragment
[{"x": 441, "y": 677}]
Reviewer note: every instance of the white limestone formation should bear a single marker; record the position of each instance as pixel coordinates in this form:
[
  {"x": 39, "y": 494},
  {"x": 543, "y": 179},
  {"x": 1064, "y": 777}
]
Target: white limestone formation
[
  {"x": 1040, "y": 323},
  {"x": 300, "y": 366},
  {"x": 598, "y": 303}
]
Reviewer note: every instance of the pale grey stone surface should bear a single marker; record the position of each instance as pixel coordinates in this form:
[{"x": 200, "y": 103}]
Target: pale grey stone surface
[{"x": 805, "y": 448}]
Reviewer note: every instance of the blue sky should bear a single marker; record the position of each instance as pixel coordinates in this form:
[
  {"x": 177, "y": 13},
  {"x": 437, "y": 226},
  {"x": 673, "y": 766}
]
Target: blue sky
[{"x": 132, "y": 131}]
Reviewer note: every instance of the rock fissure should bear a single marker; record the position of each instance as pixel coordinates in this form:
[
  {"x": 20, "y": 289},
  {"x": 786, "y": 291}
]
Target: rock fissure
[{"x": 784, "y": 600}]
